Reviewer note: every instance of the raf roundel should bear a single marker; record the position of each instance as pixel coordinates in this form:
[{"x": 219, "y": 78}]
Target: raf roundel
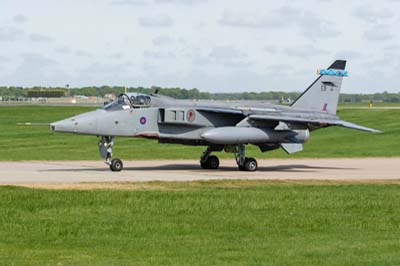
[
  {"x": 190, "y": 115},
  {"x": 143, "y": 120}
]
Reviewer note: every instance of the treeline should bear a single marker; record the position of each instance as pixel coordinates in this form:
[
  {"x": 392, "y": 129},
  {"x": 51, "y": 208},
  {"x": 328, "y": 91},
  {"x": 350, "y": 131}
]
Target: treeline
[
  {"x": 45, "y": 93},
  {"x": 180, "y": 93}
]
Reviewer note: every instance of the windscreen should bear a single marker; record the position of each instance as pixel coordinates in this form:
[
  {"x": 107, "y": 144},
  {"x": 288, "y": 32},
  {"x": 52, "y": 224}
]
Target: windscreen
[
  {"x": 125, "y": 101},
  {"x": 121, "y": 103}
]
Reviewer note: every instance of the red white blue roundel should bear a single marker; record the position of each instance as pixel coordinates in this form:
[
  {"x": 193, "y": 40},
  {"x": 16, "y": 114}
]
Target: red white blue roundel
[{"x": 142, "y": 120}]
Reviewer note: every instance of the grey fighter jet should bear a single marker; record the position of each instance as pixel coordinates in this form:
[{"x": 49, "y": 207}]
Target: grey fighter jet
[{"x": 225, "y": 127}]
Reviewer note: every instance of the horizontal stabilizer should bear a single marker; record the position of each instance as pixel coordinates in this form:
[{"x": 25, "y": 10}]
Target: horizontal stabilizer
[
  {"x": 291, "y": 147},
  {"x": 346, "y": 124}
]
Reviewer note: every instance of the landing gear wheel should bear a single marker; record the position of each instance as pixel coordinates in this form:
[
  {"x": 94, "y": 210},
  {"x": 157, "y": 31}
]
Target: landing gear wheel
[
  {"x": 212, "y": 162},
  {"x": 116, "y": 165},
  {"x": 250, "y": 164}
]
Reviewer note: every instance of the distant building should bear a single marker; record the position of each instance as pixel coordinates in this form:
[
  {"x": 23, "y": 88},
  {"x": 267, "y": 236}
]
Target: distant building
[{"x": 109, "y": 96}]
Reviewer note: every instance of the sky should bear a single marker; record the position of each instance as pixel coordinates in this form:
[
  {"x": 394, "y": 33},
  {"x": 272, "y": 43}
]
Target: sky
[{"x": 215, "y": 46}]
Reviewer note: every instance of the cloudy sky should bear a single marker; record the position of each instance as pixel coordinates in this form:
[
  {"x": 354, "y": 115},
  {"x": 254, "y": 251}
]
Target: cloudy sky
[{"x": 217, "y": 46}]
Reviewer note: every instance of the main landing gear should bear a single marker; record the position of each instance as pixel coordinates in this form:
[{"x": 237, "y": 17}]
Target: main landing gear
[
  {"x": 244, "y": 163},
  {"x": 208, "y": 161},
  {"x": 105, "y": 149}
]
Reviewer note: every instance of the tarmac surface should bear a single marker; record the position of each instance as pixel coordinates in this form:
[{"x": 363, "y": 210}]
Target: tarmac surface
[{"x": 75, "y": 172}]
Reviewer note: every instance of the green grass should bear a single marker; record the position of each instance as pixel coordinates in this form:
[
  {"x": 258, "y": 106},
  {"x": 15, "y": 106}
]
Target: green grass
[
  {"x": 38, "y": 143},
  {"x": 203, "y": 223},
  {"x": 365, "y": 104}
]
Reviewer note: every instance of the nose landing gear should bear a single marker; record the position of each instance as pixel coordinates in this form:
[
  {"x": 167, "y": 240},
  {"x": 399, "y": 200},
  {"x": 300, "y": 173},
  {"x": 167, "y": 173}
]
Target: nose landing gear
[{"x": 105, "y": 150}]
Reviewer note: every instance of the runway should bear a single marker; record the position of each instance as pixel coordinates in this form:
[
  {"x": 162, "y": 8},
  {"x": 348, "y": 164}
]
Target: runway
[{"x": 74, "y": 172}]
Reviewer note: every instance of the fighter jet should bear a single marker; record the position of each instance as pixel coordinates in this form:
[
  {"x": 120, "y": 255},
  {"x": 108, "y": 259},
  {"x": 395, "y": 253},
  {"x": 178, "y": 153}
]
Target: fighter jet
[{"x": 218, "y": 126}]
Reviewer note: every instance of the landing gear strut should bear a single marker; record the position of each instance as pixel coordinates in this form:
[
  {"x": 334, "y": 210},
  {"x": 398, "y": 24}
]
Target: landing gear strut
[
  {"x": 244, "y": 163},
  {"x": 105, "y": 149},
  {"x": 208, "y": 161}
]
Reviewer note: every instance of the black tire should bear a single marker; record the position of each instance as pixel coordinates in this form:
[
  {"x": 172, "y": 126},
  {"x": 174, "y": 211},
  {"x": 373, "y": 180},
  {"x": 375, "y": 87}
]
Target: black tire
[
  {"x": 241, "y": 167},
  {"x": 250, "y": 164},
  {"x": 116, "y": 165},
  {"x": 203, "y": 165},
  {"x": 212, "y": 162}
]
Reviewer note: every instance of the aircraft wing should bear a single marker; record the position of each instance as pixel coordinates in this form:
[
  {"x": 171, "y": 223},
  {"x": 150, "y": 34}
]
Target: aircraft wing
[
  {"x": 336, "y": 122},
  {"x": 219, "y": 110}
]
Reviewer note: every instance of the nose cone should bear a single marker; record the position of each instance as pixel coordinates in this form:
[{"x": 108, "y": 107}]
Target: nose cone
[
  {"x": 81, "y": 124},
  {"x": 66, "y": 125}
]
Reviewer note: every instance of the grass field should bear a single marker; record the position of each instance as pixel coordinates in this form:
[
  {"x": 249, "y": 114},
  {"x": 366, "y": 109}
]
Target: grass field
[
  {"x": 366, "y": 104},
  {"x": 38, "y": 143},
  {"x": 203, "y": 223}
]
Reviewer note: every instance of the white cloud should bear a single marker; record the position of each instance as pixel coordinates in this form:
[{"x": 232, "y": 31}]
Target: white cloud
[
  {"x": 185, "y": 2},
  {"x": 162, "y": 40},
  {"x": 37, "y": 37},
  {"x": 35, "y": 69},
  {"x": 20, "y": 18},
  {"x": 10, "y": 34},
  {"x": 116, "y": 55},
  {"x": 348, "y": 55},
  {"x": 271, "y": 49},
  {"x": 370, "y": 14},
  {"x": 314, "y": 27},
  {"x": 250, "y": 21},
  {"x": 211, "y": 45},
  {"x": 156, "y": 21},
  {"x": 377, "y": 34},
  {"x": 392, "y": 47},
  {"x": 229, "y": 56},
  {"x": 159, "y": 54},
  {"x": 100, "y": 73},
  {"x": 278, "y": 71},
  {"x": 304, "y": 51},
  {"x": 3, "y": 59},
  {"x": 129, "y": 3},
  {"x": 63, "y": 50},
  {"x": 82, "y": 53},
  {"x": 308, "y": 23}
]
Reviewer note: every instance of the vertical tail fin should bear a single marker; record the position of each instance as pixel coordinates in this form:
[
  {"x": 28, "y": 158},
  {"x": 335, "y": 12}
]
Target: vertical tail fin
[{"x": 323, "y": 93}]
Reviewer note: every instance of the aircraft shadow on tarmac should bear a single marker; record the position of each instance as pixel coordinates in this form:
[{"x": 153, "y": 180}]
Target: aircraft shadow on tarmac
[{"x": 194, "y": 167}]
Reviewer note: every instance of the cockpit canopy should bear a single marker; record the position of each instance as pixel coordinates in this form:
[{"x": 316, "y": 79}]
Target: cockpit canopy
[{"x": 129, "y": 100}]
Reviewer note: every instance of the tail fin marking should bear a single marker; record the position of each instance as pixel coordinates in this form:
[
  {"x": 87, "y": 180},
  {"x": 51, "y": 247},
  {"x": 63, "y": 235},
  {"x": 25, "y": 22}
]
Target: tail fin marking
[{"x": 323, "y": 93}]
